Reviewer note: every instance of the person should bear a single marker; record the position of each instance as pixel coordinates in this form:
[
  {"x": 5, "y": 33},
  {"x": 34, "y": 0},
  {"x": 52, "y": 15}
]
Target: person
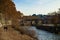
[{"x": 5, "y": 28}]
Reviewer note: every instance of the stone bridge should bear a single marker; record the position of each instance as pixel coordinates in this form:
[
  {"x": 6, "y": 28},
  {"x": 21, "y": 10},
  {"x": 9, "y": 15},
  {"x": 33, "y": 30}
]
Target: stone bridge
[{"x": 31, "y": 21}]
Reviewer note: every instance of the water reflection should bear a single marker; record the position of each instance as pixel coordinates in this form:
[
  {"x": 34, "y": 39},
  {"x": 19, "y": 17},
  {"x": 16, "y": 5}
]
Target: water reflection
[{"x": 43, "y": 35}]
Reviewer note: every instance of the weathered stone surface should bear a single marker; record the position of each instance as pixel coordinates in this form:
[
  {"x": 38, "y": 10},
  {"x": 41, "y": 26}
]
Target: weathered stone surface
[{"x": 7, "y": 8}]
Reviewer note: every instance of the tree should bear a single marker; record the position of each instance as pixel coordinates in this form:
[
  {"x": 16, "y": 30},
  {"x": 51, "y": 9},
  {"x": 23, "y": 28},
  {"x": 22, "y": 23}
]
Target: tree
[{"x": 34, "y": 15}]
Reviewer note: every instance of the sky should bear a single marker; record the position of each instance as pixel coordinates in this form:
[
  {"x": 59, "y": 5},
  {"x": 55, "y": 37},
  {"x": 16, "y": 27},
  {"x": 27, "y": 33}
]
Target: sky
[{"x": 29, "y": 7}]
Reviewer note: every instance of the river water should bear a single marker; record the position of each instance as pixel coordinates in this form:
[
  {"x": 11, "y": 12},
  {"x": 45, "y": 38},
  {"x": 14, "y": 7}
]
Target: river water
[{"x": 44, "y": 35}]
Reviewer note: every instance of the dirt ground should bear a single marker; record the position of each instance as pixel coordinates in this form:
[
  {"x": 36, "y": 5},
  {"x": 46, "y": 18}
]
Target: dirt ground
[{"x": 11, "y": 34}]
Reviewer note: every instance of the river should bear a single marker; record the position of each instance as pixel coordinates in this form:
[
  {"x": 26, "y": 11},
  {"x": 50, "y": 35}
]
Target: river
[{"x": 44, "y": 35}]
